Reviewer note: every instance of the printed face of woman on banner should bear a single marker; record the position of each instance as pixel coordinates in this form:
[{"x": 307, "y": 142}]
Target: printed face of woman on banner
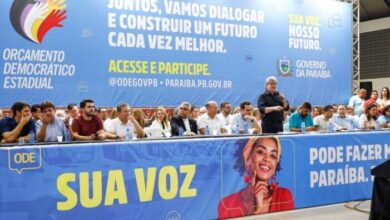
[
  {"x": 259, "y": 161},
  {"x": 263, "y": 159}
]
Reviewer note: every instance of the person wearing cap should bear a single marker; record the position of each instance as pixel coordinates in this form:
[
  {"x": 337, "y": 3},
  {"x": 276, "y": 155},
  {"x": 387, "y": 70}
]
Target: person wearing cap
[
  {"x": 259, "y": 160},
  {"x": 272, "y": 105}
]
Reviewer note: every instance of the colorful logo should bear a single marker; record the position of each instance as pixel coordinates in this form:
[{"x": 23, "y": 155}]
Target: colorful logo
[
  {"x": 285, "y": 67},
  {"x": 33, "y": 19}
]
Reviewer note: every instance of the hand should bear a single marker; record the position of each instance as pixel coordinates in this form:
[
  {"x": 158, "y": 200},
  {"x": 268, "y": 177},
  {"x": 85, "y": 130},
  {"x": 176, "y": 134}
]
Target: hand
[
  {"x": 92, "y": 137},
  {"x": 56, "y": 5},
  {"x": 37, "y": 12},
  {"x": 189, "y": 133},
  {"x": 285, "y": 104},
  {"x": 131, "y": 118},
  {"x": 277, "y": 108},
  {"x": 45, "y": 120},
  {"x": 101, "y": 135},
  {"x": 260, "y": 191},
  {"x": 53, "y": 20},
  {"x": 249, "y": 118},
  {"x": 25, "y": 119}
]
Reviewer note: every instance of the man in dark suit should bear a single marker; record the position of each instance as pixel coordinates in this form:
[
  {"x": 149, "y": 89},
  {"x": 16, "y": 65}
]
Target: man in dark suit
[{"x": 182, "y": 120}]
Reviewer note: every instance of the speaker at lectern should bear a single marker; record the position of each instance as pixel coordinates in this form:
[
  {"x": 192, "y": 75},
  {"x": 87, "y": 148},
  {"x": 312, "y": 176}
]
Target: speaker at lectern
[{"x": 380, "y": 202}]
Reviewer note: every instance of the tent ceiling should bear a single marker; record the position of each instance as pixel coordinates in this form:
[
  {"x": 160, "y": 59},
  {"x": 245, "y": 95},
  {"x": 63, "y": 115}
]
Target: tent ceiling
[{"x": 373, "y": 9}]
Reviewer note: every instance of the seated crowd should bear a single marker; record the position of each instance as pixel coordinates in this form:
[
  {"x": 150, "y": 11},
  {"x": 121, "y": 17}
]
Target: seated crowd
[{"x": 86, "y": 122}]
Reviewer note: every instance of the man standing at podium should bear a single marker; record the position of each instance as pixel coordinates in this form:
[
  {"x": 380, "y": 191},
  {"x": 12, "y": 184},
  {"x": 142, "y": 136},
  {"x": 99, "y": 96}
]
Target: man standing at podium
[{"x": 272, "y": 105}]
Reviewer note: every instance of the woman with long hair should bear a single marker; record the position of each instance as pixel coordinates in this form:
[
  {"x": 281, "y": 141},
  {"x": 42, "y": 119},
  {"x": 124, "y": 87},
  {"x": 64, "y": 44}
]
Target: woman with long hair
[
  {"x": 259, "y": 160},
  {"x": 384, "y": 99},
  {"x": 161, "y": 119},
  {"x": 368, "y": 120},
  {"x": 139, "y": 116}
]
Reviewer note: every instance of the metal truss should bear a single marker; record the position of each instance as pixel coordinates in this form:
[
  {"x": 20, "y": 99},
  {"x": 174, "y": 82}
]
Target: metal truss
[{"x": 355, "y": 44}]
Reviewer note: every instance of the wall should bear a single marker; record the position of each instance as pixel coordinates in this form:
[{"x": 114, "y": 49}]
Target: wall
[{"x": 365, "y": 28}]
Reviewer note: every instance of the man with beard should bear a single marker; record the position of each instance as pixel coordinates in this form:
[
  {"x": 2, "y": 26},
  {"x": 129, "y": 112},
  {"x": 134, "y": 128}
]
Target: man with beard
[
  {"x": 49, "y": 127},
  {"x": 302, "y": 116},
  {"x": 245, "y": 119},
  {"x": 88, "y": 126},
  {"x": 19, "y": 125},
  {"x": 225, "y": 115}
]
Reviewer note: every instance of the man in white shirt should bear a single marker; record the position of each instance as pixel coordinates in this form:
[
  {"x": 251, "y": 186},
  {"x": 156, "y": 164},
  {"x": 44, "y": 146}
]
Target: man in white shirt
[
  {"x": 225, "y": 115},
  {"x": 119, "y": 126},
  {"x": 102, "y": 114},
  {"x": 343, "y": 121},
  {"x": 73, "y": 113},
  {"x": 245, "y": 119},
  {"x": 49, "y": 127},
  {"x": 210, "y": 120},
  {"x": 323, "y": 121}
]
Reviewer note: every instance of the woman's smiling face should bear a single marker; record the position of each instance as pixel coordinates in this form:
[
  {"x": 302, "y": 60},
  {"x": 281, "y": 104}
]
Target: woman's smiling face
[{"x": 264, "y": 159}]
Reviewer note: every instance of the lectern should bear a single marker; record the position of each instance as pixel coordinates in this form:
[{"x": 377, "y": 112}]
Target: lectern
[{"x": 380, "y": 202}]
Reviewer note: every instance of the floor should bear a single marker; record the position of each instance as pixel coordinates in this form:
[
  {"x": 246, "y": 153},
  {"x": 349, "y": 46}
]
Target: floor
[{"x": 333, "y": 212}]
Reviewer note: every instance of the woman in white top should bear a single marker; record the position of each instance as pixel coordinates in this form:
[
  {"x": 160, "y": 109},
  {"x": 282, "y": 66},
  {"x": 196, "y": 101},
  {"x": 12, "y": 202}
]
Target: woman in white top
[
  {"x": 368, "y": 120},
  {"x": 161, "y": 119},
  {"x": 384, "y": 100}
]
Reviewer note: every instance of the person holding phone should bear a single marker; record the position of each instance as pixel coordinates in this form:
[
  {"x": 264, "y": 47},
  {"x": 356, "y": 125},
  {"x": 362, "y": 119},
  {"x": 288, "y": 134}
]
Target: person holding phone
[
  {"x": 259, "y": 160},
  {"x": 19, "y": 125}
]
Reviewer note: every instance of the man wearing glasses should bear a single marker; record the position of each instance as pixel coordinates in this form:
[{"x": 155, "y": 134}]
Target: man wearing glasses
[
  {"x": 272, "y": 105},
  {"x": 183, "y": 121}
]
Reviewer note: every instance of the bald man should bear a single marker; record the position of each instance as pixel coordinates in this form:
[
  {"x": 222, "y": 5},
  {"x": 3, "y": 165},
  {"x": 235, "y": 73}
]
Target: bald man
[{"x": 210, "y": 120}]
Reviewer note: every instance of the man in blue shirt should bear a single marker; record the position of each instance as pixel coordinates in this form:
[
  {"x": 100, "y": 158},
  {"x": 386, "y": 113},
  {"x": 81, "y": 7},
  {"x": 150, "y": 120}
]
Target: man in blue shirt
[
  {"x": 342, "y": 121},
  {"x": 357, "y": 101},
  {"x": 19, "y": 125},
  {"x": 302, "y": 115},
  {"x": 49, "y": 127},
  {"x": 245, "y": 119}
]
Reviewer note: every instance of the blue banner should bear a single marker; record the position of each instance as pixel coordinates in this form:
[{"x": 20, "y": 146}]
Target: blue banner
[
  {"x": 188, "y": 179},
  {"x": 154, "y": 52}
]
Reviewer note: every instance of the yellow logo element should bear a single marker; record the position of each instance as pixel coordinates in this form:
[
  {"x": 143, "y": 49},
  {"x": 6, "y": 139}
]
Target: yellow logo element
[{"x": 24, "y": 159}]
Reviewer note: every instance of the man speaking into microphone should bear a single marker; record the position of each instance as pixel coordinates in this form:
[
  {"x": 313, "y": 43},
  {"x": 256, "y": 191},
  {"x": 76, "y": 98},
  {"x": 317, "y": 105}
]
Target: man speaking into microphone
[{"x": 272, "y": 105}]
